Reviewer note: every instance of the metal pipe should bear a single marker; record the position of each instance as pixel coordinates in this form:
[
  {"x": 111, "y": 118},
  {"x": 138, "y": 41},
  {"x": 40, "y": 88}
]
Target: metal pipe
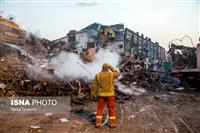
[
  {"x": 189, "y": 39},
  {"x": 181, "y": 40}
]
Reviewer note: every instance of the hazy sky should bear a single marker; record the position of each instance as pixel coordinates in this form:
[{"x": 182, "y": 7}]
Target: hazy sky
[{"x": 162, "y": 21}]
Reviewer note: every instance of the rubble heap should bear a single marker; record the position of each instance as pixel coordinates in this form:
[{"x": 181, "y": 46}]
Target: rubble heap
[
  {"x": 18, "y": 76},
  {"x": 44, "y": 47},
  {"x": 134, "y": 72},
  {"x": 15, "y": 81}
]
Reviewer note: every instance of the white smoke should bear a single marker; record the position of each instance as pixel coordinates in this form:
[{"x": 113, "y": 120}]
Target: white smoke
[{"x": 69, "y": 65}]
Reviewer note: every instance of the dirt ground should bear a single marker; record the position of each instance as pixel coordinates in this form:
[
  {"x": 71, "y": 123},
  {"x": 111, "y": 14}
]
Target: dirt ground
[{"x": 152, "y": 112}]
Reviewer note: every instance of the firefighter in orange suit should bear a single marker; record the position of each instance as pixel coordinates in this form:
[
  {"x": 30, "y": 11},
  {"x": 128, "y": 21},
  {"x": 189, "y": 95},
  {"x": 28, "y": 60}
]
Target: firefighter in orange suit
[{"x": 103, "y": 88}]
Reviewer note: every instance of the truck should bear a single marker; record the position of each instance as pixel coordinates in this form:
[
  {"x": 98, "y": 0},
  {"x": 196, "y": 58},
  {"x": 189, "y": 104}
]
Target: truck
[{"x": 185, "y": 64}]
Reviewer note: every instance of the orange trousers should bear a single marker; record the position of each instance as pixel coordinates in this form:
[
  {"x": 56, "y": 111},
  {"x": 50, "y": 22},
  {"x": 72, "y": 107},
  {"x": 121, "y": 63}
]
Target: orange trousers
[{"x": 110, "y": 101}]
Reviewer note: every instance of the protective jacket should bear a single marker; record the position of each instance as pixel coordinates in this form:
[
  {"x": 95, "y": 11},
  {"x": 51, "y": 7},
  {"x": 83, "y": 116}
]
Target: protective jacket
[{"x": 103, "y": 84}]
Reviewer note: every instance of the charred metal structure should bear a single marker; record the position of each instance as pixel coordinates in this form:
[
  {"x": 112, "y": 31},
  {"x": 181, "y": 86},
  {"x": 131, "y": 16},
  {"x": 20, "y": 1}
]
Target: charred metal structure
[{"x": 185, "y": 64}]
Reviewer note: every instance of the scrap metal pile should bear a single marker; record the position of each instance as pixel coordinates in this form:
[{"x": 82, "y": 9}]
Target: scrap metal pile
[
  {"x": 134, "y": 72},
  {"x": 183, "y": 57}
]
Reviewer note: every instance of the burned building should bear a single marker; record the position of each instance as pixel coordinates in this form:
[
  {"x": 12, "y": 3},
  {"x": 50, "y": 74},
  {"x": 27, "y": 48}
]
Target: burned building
[
  {"x": 98, "y": 36},
  {"x": 142, "y": 47},
  {"x": 116, "y": 38}
]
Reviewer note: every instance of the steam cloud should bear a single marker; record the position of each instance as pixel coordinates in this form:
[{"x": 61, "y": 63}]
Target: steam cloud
[{"x": 69, "y": 65}]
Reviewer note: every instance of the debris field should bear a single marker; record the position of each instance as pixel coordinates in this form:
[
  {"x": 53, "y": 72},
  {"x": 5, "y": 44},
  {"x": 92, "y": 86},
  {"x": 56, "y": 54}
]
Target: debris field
[{"x": 146, "y": 101}]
